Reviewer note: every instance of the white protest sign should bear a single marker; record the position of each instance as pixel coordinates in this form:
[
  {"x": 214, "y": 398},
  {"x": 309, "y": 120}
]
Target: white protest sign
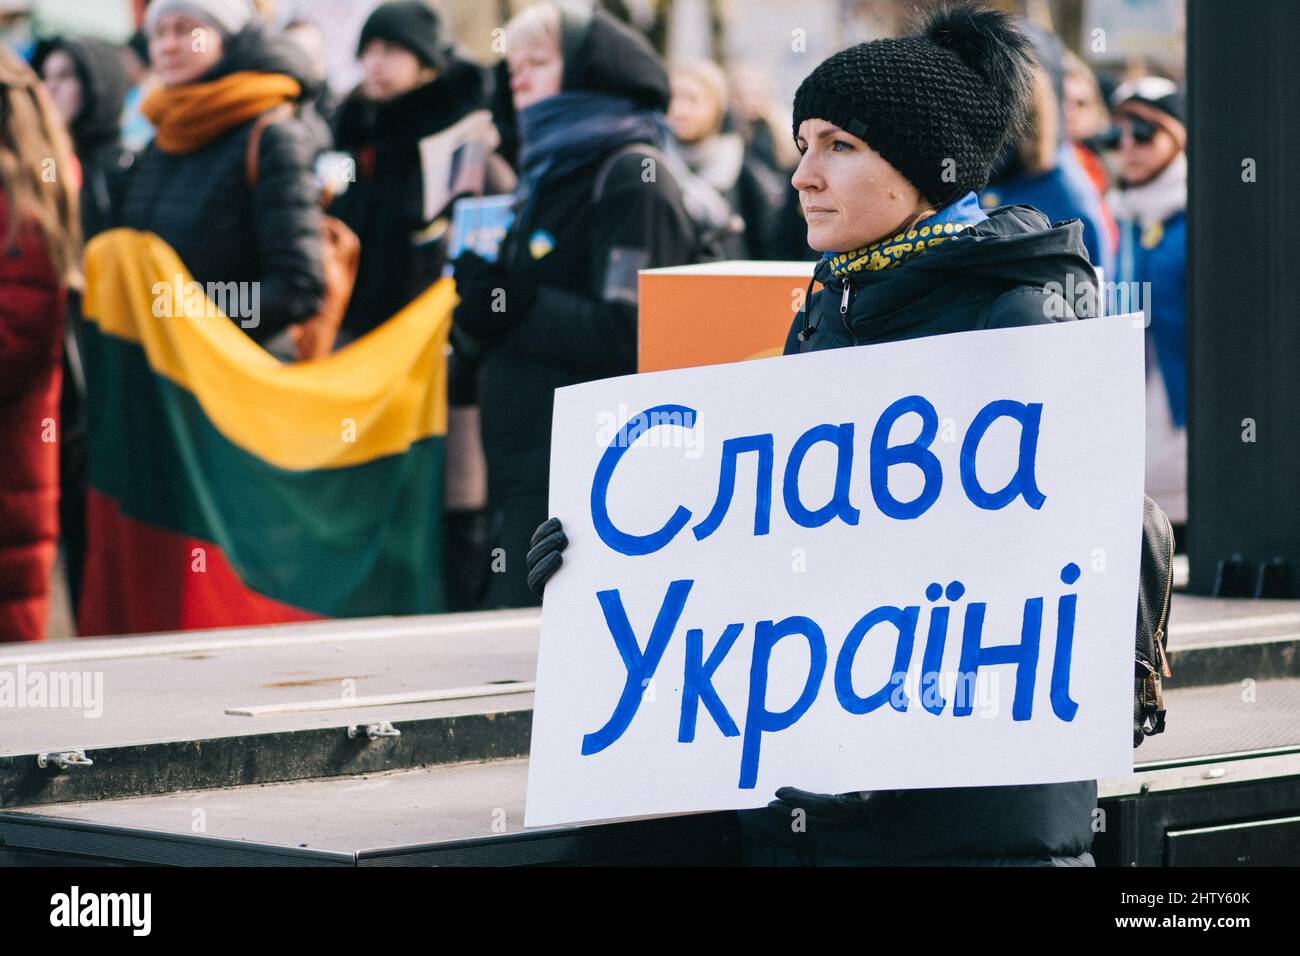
[
  {"x": 905, "y": 565},
  {"x": 453, "y": 161}
]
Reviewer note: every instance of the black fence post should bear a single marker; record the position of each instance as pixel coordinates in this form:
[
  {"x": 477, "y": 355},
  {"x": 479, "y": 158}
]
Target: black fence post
[{"x": 1243, "y": 272}]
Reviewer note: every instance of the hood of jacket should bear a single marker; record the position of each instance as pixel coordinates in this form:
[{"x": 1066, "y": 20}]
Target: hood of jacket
[
  {"x": 103, "y": 89},
  {"x": 456, "y": 91},
  {"x": 603, "y": 55},
  {"x": 1015, "y": 246}
]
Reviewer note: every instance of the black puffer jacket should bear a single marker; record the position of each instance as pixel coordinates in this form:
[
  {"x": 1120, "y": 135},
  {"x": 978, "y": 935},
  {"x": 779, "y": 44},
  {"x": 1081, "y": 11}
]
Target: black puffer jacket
[
  {"x": 993, "y": 276},
  {"x": 200, "y": 203},
  {"x": 385, "y": 206}
]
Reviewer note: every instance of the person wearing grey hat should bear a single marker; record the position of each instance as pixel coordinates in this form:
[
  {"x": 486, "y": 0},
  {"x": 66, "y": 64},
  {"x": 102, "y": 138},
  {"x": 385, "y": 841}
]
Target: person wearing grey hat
[
  {"x": 222, "y": 74},
  {"x": 227, "y": 16}
]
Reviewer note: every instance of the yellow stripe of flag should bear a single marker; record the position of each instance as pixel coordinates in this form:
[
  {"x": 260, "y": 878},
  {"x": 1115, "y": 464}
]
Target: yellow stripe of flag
[{"x": 371, "y": 399}]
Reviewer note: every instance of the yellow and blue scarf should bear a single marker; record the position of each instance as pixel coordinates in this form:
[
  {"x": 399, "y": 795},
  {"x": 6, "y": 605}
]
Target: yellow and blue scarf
[{"x": 893, "y": 250}]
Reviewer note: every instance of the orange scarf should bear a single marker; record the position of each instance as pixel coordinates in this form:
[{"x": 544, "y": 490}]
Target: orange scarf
[{"x": 189, "y": 116}]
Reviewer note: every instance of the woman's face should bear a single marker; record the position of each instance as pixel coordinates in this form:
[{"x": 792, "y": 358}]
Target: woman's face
[
  {"x": 182, "y": 48},
  {"x": 536, "y": 72},
  {"x": 1084, "y": 115},
  {"x": 850, "y": 196},
  {"x": 692, "y": 112},
  {"x": 59, "y": 74},
  {"x": 389, "y": 70},
  {"x": 1145, "y": 149}
]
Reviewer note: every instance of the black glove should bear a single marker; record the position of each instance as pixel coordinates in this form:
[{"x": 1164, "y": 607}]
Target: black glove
[
  {"x": 543, "y": 558},
  {"x": 482, "y": 311},
  {"x": 826, "y": 811}
]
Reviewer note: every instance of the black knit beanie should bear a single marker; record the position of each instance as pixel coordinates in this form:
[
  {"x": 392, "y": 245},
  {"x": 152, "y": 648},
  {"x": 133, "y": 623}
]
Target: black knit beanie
[
  {"x": 410, "y": 24},
  {"x": 937, "y": 105}
]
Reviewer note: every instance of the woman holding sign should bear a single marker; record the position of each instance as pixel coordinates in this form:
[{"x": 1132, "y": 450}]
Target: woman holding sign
[{"x": 898, "y": 136}]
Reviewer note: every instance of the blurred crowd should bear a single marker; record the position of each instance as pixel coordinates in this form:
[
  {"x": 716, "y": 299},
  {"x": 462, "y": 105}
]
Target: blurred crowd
[{"x": 155, "y": 135}]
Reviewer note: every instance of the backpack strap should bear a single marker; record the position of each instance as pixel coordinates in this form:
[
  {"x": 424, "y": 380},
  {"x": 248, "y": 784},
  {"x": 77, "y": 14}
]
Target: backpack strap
[
  {"x": 607, "y": 166},
  {"x": 252, "y": 152}
]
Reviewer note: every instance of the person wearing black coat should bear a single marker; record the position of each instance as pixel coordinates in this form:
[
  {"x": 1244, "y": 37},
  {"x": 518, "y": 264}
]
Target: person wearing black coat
[
  {"x": 908, "y": 252},
  {"x": 88, "y": 83},
  {"x": 560, "y": 305},
  {"x": 190, "y": 186},
  {"x": 414, "y": 87}
]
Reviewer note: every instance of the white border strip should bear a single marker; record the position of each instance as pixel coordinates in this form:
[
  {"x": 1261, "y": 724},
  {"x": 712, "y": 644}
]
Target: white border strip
[
  {"x": 384, "y": 700},
  {"x": 104, "y": 649}
]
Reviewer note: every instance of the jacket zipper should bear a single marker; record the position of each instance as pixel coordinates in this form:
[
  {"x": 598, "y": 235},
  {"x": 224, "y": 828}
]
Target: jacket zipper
[
  {"x": 1164, "y": 615},
  {"x": 844, "y": 312}
]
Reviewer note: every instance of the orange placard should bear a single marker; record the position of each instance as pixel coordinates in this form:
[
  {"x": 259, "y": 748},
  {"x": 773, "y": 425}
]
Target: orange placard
[{"x": 717, "y": 312}]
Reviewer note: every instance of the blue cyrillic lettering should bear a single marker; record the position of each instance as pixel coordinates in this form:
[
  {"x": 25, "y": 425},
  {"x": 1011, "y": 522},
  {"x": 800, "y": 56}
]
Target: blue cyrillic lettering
[
  {"x": 1062, "y": 705},
  {"x": 758, "y": 719},
  {"x": 842, "y": 437},
  {"x": 1024, "y": 655},
  {"x": 1022, "y": 482},
  {"x": 640, "y": 666},
  {"x": 731, "y": 448},
  {"x": 621, "y": 541},
  {"x": 916, "y": 452},
  {"x": 904, "y": 619},
  {"x": 698, "y": 683}
]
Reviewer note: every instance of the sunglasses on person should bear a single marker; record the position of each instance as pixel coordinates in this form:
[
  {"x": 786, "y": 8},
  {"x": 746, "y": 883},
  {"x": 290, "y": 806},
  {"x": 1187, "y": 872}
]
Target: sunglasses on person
[{"x": 1142, "y": 131}]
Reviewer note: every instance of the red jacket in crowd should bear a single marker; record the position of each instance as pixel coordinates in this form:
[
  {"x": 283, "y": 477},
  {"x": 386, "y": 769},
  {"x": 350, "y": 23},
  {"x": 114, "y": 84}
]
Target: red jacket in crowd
[{"x": 31, "y": 336}]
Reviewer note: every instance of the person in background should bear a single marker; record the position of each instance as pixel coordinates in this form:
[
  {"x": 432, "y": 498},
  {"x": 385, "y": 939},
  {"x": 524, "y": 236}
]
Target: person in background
[
  {"x": 907, "y": 253},
  {"x": 413, "y": 86},
  {"x": 1039, "y": 168},
  {"x": 559, "y": 306},
  {"x": 219, "y": 71},
  {"x": 136, "y": 129},
  {"x": 87, "y": 82},
  {"x": 40, "y": 258},
  {"x": 1088, "y": 127},
  {"x": 721, "y": 159},
  {"x": 758, "y": 118},
  {"x": 320, "y": 112},
  {"x": 1150, "y": 203},
  {"x": 1087, "y": 118}
]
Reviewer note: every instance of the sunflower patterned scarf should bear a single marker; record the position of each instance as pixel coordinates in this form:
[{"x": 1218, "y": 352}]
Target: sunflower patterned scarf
[{"x": 893, "y": 250}]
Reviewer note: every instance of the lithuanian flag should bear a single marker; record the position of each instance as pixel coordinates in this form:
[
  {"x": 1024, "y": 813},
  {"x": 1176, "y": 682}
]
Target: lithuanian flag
[{"x": 228, "y": 488}]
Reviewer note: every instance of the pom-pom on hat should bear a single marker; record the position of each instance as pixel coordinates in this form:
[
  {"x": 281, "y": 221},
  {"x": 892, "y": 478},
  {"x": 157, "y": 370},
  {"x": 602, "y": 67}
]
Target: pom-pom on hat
[{"x": 938, "y": 105}]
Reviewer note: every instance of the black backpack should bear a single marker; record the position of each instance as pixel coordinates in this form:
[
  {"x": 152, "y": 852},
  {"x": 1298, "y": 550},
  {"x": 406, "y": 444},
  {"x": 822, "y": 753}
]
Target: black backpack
[
  {"x": 1155, "y": 589},
  {"x": 708, "y": 242}
]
